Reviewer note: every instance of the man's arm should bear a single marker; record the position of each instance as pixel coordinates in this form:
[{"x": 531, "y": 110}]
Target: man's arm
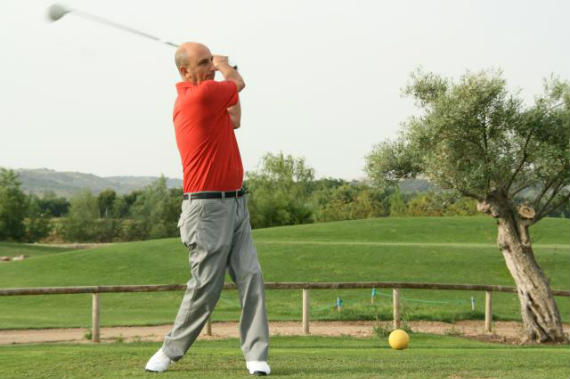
[
  {"x": 228, "y": 72},
  {"x": 235, "y": 115}
]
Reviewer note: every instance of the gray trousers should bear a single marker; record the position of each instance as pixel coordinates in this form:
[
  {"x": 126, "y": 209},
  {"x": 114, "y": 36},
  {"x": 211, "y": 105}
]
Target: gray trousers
[{"x": 217, "y": 234}]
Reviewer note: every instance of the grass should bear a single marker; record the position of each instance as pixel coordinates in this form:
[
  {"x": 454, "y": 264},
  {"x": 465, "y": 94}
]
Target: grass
[
  {"x": 11, "y": 249},
  {"x": 478, "y": 230},
  {"x": 295, "y": 357},
  {"x": 439, "y": 249}
]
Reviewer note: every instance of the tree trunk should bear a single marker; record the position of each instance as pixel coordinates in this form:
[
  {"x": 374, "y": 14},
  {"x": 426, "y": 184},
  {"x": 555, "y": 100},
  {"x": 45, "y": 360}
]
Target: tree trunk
[{"x": 540, "y": 314}]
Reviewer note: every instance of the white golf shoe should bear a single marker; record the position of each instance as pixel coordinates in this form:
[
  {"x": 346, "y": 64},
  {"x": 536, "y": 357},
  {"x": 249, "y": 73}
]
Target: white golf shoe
[
  {"x": 259, "y": 368},
  {"x": 159, "y": 362}
]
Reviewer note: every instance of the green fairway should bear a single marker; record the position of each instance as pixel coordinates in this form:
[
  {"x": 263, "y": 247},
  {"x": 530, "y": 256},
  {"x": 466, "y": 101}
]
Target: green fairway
[
  {"x": 479, "y": 230},
  {"x": 295, "y": 357},
  {"x": 422, "y": 249}
]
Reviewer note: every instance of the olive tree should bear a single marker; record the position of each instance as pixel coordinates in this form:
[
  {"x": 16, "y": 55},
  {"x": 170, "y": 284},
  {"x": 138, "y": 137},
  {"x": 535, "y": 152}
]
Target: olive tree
[{"x": 476, "y": 137}]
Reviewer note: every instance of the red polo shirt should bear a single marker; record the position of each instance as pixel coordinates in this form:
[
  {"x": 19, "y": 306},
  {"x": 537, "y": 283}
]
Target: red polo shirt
[{"x": 205, "y": 136}]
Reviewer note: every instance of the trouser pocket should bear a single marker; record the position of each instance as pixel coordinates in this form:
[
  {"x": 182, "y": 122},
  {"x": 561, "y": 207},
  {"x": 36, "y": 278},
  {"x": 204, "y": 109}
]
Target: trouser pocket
[{"x": 188, "y": 222}]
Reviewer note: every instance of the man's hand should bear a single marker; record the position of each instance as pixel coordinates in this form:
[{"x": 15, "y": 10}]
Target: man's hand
[
  {"x": 220, "y": 61},
  {"x": 221, "y": 64}
]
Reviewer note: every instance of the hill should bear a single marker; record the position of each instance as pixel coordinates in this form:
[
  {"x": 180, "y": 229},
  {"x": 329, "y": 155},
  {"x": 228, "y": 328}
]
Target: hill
[
  {"x": 66, "y": 184},
  {"x": 422, "y": 249}
]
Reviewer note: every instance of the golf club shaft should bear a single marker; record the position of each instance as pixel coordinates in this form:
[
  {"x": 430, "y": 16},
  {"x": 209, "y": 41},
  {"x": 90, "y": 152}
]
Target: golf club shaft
[{"x": 102, "y": 20}]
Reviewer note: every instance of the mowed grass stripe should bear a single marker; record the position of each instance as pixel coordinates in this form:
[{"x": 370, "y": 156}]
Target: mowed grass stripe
[
  {"x": 294, "y": 357},
  {"x": 479, "y": 229},
  {"x": 417, "y": 244}
]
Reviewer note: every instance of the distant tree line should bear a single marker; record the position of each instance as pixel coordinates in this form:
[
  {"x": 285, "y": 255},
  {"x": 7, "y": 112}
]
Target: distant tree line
[
  {"x": 283, "y": 191},
  {"x": 150, "y": 213}
]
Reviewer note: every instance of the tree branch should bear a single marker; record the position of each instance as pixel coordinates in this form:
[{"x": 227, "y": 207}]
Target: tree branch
[
  {"x": 523, "y": 160},
  {"x": 519, "y": 189},
  {"x": 471, "y": 194},
  {"x": 545, "y": 212},
  {"x": 543, "y": 192},
  {"x": 486, "y": 156},
  {"x": 555, "y": 191}
]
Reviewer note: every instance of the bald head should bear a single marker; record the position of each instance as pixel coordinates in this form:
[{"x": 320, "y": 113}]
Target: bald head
[
  {"x": 194, "y": 62},
  {"x": 189, "y": 54}
]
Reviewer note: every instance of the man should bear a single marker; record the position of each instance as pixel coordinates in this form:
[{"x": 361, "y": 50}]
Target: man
[{"x": 214, "y": 224}]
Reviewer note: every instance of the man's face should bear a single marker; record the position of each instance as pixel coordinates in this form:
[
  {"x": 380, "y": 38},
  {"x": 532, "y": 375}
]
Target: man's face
[{"x": 201, "y": 67}]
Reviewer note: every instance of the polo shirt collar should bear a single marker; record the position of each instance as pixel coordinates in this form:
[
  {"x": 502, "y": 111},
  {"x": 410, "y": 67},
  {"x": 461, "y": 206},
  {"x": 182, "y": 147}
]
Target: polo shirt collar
[{"x": 181, "y": 85}]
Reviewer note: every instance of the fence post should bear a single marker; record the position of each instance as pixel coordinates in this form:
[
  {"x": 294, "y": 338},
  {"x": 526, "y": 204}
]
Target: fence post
[
  {"x": 488, "y": 310},
  {"x": 95, "y": 318},
  {"x": 396, "y": 307},
  {"x": 209, "y": 326},
  {"x": 306, "y": 311}
]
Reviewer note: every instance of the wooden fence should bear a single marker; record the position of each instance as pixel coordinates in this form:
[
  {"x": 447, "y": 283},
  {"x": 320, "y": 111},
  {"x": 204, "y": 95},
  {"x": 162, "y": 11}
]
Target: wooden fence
[{"x": 304, "y": 286}]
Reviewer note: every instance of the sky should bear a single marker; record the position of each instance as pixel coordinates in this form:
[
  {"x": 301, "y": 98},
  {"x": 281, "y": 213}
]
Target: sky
[{"x": 324, "y": 77}]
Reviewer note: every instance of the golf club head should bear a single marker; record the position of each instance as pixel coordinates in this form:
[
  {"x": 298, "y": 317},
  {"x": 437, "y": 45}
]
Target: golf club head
[{"x": 57, "y": 11}]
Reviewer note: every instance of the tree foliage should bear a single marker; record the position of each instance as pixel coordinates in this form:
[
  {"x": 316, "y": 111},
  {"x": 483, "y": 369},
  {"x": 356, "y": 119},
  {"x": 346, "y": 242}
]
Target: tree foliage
[
  {"x": 106, "y": 200},
  {"x": 280, "y": 191},
  {"x": 53, "y": 205},
  {"x": 475, "y": 137},
  {"x": 397, "y": 205},
  {"x": 81, "y": 222},
  {"x": 37, "y": 222},
  {"x": 13, "y": 206},
  {"x": 351, "y": 201},
  {"x": 156, "y": 211},
  {"x": 443, "y": 203}
]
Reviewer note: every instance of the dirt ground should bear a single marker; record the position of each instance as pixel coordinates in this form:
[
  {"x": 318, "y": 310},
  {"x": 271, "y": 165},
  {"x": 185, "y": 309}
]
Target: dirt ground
[{"x": 503, "y": 331}]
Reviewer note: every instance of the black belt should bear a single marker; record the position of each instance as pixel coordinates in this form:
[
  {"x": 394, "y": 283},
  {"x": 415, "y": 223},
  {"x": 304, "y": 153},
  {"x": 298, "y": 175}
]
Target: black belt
[{"x": 214, "y": 195}]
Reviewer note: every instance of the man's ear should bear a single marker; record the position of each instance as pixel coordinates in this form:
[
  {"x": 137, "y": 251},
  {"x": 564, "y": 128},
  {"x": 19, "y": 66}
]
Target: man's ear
[{"x": 183, "y": 71}]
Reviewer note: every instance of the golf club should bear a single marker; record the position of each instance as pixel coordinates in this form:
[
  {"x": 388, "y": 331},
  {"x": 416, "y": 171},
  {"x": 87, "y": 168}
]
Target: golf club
[{"x": 57, "y": 11}]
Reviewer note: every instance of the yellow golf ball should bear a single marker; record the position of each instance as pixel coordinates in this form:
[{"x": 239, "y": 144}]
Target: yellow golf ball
[{"x": 399, "y": 339}]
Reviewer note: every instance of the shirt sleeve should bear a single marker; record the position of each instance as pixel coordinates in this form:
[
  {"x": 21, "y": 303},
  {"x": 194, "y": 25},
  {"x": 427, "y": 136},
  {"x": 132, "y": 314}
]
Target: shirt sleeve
[{"x": 220, "y": 95}]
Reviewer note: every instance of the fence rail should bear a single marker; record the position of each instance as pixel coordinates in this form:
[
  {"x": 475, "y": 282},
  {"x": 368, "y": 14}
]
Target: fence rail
[
  {"x": 270, "y": 285},
  {"x": 305, "y": 286}
]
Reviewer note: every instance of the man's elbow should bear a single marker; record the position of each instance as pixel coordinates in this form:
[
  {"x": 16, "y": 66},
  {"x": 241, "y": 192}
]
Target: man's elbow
[{"x": 236, "y": 122}]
